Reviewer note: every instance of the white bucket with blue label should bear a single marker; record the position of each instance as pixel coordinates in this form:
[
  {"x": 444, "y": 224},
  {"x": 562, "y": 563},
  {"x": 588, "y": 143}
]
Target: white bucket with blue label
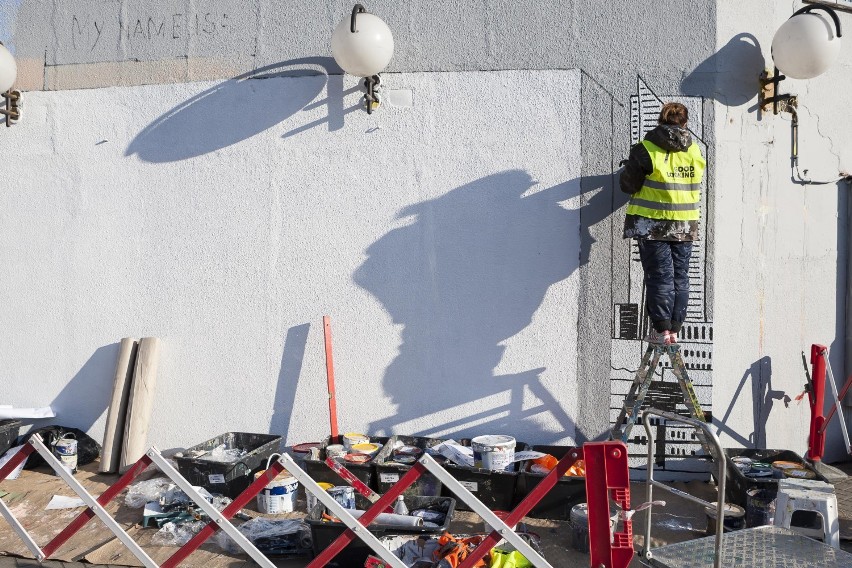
[
  {"x": 279, "y": 495},
  {"x": 495, "y": 453}
]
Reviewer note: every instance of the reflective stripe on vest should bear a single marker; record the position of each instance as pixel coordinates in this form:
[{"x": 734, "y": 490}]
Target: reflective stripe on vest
[{"x": 672, "y": 190}]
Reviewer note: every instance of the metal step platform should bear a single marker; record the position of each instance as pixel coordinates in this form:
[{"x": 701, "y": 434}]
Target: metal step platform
[{"x": 761, "y": 547}]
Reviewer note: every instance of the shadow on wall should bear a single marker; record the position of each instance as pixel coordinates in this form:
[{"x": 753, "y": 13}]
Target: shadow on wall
[
  {"x": 763, "y": 400},
  {"x": 729, "y": 76},
  {"x": 288, "y": 378},
  {"x": 466, "y": 275},
  {"x": 238, "y": 109},
  {"x": 87, "y": 395}
]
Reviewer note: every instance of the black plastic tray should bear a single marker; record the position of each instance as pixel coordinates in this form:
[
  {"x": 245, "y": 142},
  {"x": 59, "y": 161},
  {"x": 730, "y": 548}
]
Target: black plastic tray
[
  {"x": 556, "y": 504},
  {"x": 389, "y": 472},
  {"x": 365, "y": 472},
  {"x": 324, "y": 533},
  {"x": 8, "y": 434},
  {"x": 738, "y": 485},
  {"x": 229, "y": 479},
  {"x": 495, "y": 489}
]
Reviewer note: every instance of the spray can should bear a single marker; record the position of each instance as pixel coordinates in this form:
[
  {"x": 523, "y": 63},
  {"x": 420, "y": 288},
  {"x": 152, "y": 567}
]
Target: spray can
[{"x": 65, "y": 450}]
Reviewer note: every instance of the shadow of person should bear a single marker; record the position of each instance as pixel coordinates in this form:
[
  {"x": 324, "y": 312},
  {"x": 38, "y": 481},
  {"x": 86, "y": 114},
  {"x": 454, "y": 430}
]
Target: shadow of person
[
  {"x": 240, "y": 108},
  {"x": 465, "y": 275},
  {"x": 729, "y": 76}
]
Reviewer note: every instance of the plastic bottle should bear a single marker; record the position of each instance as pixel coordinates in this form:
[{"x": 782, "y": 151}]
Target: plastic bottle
[{"x": 399, "y": 508}]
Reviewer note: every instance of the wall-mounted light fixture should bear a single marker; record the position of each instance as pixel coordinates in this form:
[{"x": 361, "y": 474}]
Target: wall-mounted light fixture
[
  {"x": 362, "y": 45},
  {"x": 804, "y": 47},
  {"x": 8, "y": 74}
]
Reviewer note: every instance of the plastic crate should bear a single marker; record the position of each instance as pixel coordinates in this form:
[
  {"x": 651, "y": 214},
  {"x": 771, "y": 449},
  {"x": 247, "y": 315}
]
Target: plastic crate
[
  {"x": 557, "y": 503},
  {"x": 232, "y": 478},
  {"x": 8, "y": 434},
  {"x": 495, "y": 489},
  {"x": 737, "y": 484},
  {"x": 365, "y": 472},
  {"x": 389, "y": 472},
  {"x": 323, "y": 533}
]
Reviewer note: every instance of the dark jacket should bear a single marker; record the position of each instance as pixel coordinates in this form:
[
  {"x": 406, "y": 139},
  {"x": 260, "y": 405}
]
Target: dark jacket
[{"x": 639, "y": 165}]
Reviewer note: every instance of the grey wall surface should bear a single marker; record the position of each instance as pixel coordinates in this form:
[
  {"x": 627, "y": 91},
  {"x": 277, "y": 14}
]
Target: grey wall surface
[{"x": 69, "y": 44}]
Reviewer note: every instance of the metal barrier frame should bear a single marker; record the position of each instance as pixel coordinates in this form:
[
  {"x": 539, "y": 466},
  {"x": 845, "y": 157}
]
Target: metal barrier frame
[
  {"x": 651, "y": 482},
  {"x": 608, "y": 478}
]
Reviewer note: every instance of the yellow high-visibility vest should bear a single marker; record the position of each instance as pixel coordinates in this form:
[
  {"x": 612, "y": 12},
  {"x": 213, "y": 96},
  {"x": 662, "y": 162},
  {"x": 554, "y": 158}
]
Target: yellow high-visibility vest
[{"x": 672, "y": 191}]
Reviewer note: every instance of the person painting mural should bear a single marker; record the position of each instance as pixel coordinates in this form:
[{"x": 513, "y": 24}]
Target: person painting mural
[{"x": 663, "y": 174}]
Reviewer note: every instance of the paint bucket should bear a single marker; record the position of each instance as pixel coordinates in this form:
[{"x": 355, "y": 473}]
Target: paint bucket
[
  {"x": 579, "y": 523},
  {"x": 312, "y": 499},
  {"x": 742, "y": 463},
  {"x": 352, "y": 438},
  {"x": 344, "y": 495},
  {"x": 734, "y": 518},
  {"x": 335, "y": 451},
  {"x": 495, "y": 453},
  {"x": 279, "y": 495},
  {"x": 65, "y": 450},
  {"x": 760, "y": 507},
  {"x": 367, "y": 449}
]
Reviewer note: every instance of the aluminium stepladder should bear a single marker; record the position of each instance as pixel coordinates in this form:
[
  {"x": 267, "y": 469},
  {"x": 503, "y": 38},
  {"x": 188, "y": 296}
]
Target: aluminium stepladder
[{"x": 631, "y": 410}]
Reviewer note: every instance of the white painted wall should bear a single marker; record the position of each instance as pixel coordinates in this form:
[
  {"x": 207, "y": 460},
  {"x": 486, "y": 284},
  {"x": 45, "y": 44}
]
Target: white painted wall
[
  {"x": 780, "y": 247},
  {"x": 227, "y": 219}
]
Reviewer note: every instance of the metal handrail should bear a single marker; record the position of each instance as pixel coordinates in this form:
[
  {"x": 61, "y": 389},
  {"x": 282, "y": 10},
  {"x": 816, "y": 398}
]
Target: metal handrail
[{"x": 721, "y": 473}]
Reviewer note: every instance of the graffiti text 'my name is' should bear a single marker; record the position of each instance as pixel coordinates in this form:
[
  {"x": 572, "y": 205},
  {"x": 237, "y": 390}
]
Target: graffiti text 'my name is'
[{"x": 87, "y": 35}]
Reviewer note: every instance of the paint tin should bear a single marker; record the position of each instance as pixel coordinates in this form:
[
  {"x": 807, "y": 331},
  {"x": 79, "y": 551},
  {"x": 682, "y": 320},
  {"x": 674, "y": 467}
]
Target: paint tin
[
  {"x": 344, "y": 495},
  {"x": 495, "y": 453},
  {"x": 279, "y": 495},
  {"x": 742, "y": 463},
  {"x": 312, "y": 499},
  {"x": 65, "y": 450},
  {"x": 366, "y": 449},
  {"x": 799, "y": 473},
  {"x": 357, "y": 458},
  {"x": 759, "y": 469},
  {"x": 760, "y": 507},
  {"x": 352, "y": 438},
  {"x": 335, "y": 451},
  {"x": 735, "y": 518}
]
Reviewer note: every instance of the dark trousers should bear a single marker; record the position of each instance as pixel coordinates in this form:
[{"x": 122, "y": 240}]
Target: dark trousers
[{"x": 666, "y": 266}]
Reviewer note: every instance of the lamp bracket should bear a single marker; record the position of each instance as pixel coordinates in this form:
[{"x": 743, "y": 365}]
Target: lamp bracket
[
  {"x": 832, "y": 13},
  {"x": 12, "y": 112},
  {"x": 769, "y": 93},
  {"x": 358, "y": 9},
  {"x": 372, "y": 97}
]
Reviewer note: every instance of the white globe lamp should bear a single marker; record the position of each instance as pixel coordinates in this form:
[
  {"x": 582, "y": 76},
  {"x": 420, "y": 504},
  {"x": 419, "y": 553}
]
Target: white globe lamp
[
  {"x": 362, "y": 44},
  {"x": 807, "y": 44},
  {"x": 8, "y": 69}
]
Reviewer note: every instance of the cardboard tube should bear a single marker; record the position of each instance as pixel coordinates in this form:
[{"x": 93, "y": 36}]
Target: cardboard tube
[
  {"x": 114, "y": 431},
  {"x": 391, "y": 520},
  {"x": 141, "y": 402}
]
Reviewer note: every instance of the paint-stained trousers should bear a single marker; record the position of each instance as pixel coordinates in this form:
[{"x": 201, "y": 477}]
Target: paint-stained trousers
[{"x": 666, "y": 266}]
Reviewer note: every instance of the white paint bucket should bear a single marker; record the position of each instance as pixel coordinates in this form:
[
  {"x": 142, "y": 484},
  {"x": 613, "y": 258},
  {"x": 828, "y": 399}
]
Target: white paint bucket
[
  {"x": 279, "y": 495},
  {"x": 65, "y": 450},
  {"x": 344, "y": 495},
  {"x": 495, "y": 453}
]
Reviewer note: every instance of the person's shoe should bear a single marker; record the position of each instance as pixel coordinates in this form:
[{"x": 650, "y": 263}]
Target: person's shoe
[
  {"x": 655, "y": 337},
  {"x": 670, "y": 338}
]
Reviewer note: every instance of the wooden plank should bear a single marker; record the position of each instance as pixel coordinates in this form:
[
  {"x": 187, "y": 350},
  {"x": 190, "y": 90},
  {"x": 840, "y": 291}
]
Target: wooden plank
[
  {"x": 115, "y": 424},
  {"x": 141, "y": 402}
]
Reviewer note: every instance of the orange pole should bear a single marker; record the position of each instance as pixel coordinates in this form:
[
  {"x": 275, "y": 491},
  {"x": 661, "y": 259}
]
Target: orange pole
[{"x": 329, "y": 374}]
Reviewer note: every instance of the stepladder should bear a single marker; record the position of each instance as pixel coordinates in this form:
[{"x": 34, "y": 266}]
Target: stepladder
[{"x": 633, "y": 402}]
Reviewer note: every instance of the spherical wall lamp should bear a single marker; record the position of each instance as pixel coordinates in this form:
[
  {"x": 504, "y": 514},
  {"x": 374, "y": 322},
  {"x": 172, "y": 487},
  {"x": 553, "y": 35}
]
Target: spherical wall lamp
[
  {"x": 8, "y": 74},
  {"x": 362, "y": 44},
  {"x": 807, "y": 44},
  {"x": 804, "y": 47}
]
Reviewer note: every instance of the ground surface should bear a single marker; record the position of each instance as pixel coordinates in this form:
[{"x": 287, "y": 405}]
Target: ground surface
[{"x": 678, "y": 521}]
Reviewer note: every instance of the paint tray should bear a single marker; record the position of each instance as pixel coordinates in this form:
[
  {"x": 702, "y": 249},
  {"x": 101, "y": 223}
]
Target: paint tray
[
  {"x": 738, "y": 484},
  {"x": 228, "y": 478},
  {"x": 495, "y": 489},
  {"x": 323, "y": 533},
  {"x": 365, "y": 472},
  {"x": 557, "y": 503},
  {"x": 389, "y": 472},
  {"x": 8, "y": 434}
]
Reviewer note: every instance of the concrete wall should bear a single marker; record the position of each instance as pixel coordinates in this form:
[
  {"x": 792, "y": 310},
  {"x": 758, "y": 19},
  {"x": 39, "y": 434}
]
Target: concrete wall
[{"x": 154, "y": 211}]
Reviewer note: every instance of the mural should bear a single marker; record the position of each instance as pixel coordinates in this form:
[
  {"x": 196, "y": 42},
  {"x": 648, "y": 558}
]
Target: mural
[{"x": 630, "y": 324}]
